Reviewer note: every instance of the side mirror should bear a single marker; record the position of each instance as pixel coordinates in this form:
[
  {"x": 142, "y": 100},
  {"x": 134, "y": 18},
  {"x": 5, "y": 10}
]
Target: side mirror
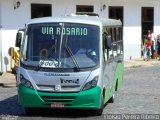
[
  {"x": 18, "y": 39},
  {"x": 108, "y": 41}
]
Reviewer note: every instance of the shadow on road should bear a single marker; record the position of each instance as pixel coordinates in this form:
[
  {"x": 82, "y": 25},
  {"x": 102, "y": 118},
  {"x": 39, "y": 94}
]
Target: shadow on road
[
  {"x": 61, "y": 113},
  {"x": 10, "y": 106}
]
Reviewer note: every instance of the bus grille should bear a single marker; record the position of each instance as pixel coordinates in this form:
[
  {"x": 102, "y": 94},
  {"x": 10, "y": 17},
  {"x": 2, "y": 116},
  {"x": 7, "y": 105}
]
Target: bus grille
[{"x": 58, "y": 99}]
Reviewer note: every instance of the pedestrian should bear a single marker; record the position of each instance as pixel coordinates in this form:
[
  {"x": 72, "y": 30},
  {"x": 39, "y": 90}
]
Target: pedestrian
[
  {"x": 158, "y": 45},
  {"x": 153, "y": 39},
  {"x": 147, "y": 49},
  {"x": 149, "y": 34}
]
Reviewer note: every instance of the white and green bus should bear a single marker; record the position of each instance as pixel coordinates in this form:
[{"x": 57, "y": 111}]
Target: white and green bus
[{"x": 69, "y": 62}]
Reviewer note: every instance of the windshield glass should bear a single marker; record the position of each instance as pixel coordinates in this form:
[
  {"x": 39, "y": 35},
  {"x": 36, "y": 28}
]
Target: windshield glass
[{"x": 61, "y": 45}]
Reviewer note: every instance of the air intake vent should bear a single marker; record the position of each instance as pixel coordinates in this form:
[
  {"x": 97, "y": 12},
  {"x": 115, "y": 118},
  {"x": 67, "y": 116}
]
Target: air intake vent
[{"x": 58, "y": 98}]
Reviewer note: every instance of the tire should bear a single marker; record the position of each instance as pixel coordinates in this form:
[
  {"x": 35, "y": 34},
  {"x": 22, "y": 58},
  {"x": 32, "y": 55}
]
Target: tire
[
  {"x": 111, "y": 100},
  {"x": 98, "y": 112}
]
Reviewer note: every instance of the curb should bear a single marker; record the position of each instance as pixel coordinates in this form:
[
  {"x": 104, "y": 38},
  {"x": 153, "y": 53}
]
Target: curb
[
  {"x": 6, "y": 85},
  {"x": 140, "y": 63}
]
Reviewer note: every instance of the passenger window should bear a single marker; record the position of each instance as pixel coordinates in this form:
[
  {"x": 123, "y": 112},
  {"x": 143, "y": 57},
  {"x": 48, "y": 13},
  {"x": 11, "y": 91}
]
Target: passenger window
[{"x": 107, "y": 46}]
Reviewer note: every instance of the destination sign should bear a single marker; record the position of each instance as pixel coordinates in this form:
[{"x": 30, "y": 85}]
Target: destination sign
[{"x": 77, "y": 31}]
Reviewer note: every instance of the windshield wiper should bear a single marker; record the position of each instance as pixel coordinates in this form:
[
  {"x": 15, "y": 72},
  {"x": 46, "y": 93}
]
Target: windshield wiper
[
  {"x": 60, "y": 46},
  {"x": 72, "y": 56},
  {"x": 67, "y": 48}
]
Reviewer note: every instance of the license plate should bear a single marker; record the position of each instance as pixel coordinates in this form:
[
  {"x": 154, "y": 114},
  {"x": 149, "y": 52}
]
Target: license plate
[{"x": 57, "y": 105}]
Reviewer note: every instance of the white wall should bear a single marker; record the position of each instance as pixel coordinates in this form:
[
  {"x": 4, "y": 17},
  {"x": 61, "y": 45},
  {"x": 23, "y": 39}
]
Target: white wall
[
  {"x": 13, "y": 19},
  {"x": 132, "y": 31}
]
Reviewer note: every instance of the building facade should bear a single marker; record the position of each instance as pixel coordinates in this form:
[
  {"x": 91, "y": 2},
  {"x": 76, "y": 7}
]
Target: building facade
[{"x": 137, "y": 17}]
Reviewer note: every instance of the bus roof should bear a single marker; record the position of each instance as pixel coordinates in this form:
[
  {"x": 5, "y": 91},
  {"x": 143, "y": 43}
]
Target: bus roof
[{"x": 79, "y": 19}]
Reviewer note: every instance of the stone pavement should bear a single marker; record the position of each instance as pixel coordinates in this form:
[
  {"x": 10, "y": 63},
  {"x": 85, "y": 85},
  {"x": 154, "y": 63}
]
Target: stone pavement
[
  {"x": 8, "y": 79},
  {"x": 140, "y": 62}
]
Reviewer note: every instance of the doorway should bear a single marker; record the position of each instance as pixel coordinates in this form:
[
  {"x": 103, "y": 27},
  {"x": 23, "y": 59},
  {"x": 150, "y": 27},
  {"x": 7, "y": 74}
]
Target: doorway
[{"x": 147, "y": 21}]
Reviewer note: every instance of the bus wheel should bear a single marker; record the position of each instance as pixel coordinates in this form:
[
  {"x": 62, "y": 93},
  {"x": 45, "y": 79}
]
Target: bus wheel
[
  {"x": 98, "y": 112},
  {"x": 111, "y": 100}
]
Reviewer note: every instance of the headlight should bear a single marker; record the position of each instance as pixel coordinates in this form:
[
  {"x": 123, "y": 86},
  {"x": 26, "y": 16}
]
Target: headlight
[
  {"x": 25, "y": 82},
  {"x": 91, "y": 84}
]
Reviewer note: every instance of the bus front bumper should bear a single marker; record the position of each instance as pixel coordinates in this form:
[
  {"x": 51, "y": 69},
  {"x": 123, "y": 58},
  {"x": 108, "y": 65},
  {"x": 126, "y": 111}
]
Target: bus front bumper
[{"x": 88, "y": 99}]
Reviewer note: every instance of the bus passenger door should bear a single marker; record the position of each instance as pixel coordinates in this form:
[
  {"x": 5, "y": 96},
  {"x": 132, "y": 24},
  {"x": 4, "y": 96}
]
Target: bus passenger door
[{"x": 108, "y": 67}]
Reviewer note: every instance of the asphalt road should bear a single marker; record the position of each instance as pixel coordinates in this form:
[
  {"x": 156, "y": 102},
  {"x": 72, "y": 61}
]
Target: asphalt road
[{"x": 140, "y": 94}]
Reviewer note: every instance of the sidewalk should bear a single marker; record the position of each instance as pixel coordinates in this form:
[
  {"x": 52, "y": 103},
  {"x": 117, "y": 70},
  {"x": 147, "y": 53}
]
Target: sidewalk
[
  {"x": 140, "y": 62},
  {"x": 8, "y": 79}
]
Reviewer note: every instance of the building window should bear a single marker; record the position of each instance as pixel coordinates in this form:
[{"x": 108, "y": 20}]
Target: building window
[
  {"x": 41, "y": 10},
  {"x": 147, "y": 21},
  {"x": 116, "y": 12},
  {"x": 84, "y": 8}
]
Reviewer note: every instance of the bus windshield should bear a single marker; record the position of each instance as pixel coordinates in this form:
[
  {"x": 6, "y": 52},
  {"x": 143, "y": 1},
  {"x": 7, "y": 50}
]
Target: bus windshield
[{"x": 61, "y": 45}]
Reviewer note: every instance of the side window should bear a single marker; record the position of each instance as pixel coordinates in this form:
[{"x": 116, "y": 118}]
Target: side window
[
  {"x": 113, "y": 34},
  {"x": 107, "y": 43},
  {"x": 120, "y": 33},
  {"x": 118, "y": 45},
  {"x": 109, "y": 30},
  {"x": 116, "y": 49},
  {"x": 121, "y": 40},
  {"x": 117, "y": 34}
]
